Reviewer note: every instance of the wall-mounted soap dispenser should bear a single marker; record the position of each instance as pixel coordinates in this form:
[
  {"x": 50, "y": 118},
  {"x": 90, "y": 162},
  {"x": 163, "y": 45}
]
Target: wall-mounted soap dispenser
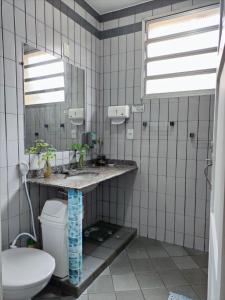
[
  {"x": 118, "y": 114},
  {"x": 76, "y": 115},
  {"x": 89, "y": 138}
]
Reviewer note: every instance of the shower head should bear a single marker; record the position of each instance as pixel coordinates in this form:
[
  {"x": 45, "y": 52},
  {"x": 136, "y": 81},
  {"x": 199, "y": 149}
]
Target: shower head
[{"x": 24, "y": 168}]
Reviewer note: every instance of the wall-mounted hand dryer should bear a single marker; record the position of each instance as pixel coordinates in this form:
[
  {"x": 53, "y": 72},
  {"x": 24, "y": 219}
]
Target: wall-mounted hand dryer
[
  {"x": 76, "y": 115},
  {"x": 118, "y": 114}
]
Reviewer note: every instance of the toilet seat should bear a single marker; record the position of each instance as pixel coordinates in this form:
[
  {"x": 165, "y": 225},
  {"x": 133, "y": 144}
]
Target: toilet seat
[{"x": 24, "y": 268}]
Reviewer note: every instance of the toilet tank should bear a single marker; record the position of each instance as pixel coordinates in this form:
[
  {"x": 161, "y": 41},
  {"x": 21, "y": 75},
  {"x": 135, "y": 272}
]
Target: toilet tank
[{"x": 54, "y": 234}]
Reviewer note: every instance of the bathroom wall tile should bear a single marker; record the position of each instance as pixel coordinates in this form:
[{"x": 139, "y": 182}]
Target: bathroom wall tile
[
  {"x": 193, "y": 108},
  {"x": 40, "y": 13},
  {"x": 11, "y": 100},
  {"x": 48, "y": 14},
  {"x": 31, "y": 33},
  {"x": 20, "y": 4},
  {"x": 9, "y": 45},
  {"x": 11, "y": 121},
  {"x": 14, "y": 203},
  {"x": 40, "y": 35},
  {"x": 3, "y": 155},
  {"x": 12, "y": 152},
  {"x": 4, "y": 228},
  {"x": 2, "y": 95},
  {"x": 20, "y": 23},
  {"x": 162, "y": 10},
  {"x": 10, "y": 73},
  {"x": 14, "y": 228},
  {"x": 7, "y": 16},
  {"x": 30, "y": 7}
]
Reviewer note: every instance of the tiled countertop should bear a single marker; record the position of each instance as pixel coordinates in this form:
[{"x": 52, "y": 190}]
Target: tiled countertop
[{"x": 85, "y": 182}]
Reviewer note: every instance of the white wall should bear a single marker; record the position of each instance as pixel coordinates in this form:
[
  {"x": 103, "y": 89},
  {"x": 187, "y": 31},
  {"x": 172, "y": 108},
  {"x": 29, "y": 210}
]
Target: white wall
[
  {"x": 141, "y": 206},
  {"x": 46, "y": 28},
  {"x": 169, "y": 198}
]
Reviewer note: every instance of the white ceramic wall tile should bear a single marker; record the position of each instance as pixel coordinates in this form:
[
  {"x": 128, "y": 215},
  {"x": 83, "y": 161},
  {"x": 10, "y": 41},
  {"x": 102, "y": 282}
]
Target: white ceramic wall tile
[
  {"x": 30, "y": 25},
  {"x": 7, "y": 16},
  {"x": 110, "y": 24},
  {"x": 9, "y": 45},
  {"x": 10, "y": 73},
  {"x": 126, "y": 20},
  {"x": 20, "y": 23},
  {"x": 182, "y": 5}
]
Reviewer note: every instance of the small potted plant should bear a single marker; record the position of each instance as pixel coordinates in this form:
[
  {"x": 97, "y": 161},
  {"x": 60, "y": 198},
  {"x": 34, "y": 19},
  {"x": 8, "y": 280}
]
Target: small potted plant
[
  {"x": 80, "y": 151},
  {"x": 45, "y": 152},
  {"x": 47, "y": 157}
]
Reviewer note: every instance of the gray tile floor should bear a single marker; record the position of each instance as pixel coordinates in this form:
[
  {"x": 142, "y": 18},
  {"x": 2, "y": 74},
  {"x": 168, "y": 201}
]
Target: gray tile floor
[{"x": 147, "y": 270}]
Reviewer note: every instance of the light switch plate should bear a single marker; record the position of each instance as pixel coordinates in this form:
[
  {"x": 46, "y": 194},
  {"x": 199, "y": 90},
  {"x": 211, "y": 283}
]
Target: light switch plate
[
  {"x": 66, "y": 50},
  {"x": 130, "y": 134},
  {"x": 138, "y": 108}
]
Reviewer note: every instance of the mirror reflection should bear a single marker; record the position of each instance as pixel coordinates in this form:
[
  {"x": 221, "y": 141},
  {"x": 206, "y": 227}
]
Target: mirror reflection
[{"x": 54, "y": 100}]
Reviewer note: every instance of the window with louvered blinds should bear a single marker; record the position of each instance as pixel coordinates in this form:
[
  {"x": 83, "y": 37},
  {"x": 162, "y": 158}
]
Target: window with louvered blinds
[
  {"x": 43, "y": 78},
  {"x": 181, "y": 53}
]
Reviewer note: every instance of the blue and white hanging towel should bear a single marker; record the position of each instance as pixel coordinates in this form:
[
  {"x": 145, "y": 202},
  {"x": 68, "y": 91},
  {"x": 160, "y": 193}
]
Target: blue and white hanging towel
[{"x": 173, "y": 296}]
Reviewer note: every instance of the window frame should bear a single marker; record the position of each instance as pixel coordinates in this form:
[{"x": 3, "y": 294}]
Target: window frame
[{"x": 145, "y": 60}]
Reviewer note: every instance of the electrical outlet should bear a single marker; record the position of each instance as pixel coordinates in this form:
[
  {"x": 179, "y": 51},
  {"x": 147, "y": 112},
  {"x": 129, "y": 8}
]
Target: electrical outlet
[
  {"x": 138, "y": 108},
  {"x": 130, "y": 134}
]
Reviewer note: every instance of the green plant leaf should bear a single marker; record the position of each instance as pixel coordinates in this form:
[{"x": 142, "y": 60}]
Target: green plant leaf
[{"x": 46, "y": 151}]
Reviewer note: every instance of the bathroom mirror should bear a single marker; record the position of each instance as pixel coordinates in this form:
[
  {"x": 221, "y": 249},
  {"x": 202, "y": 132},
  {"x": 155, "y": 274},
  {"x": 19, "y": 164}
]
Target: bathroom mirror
[{"x": 54, "y": 100}]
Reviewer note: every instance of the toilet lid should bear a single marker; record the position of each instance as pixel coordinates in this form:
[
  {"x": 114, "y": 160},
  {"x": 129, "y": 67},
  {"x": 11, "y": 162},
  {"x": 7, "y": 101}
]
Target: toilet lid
[{"x": 24, "y": 267}]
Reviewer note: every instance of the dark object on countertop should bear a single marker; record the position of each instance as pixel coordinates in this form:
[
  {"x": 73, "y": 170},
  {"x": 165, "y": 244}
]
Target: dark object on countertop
[
  {"x": 89, "y": 138},
  {"x": 100, "y": 232},
  {"x": 192, "y": 135},
  {"x": 100, "y": 160},
  {"x": 172, "y": 123}
]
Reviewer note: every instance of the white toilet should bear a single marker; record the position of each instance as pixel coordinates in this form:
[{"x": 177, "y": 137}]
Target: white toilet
[{"x": 25, "y": 272}]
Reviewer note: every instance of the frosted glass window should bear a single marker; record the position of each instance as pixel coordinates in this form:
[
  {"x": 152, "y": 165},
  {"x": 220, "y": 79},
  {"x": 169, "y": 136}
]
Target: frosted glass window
[
  {"x": 182, "y": 64},
  {"x": 37, "y": 57},
  {"x": 195, "y": 20},
  {"x": 42, "y": 98},
  {"x": 184, "y": 44},
  {"x": 181, "y": 84},
  {"x": 44, "y": 70},
  {"x": 43, "y": 78},
  {"x": 178, "y": 45},
  {"x": 49, "y": 83}
]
